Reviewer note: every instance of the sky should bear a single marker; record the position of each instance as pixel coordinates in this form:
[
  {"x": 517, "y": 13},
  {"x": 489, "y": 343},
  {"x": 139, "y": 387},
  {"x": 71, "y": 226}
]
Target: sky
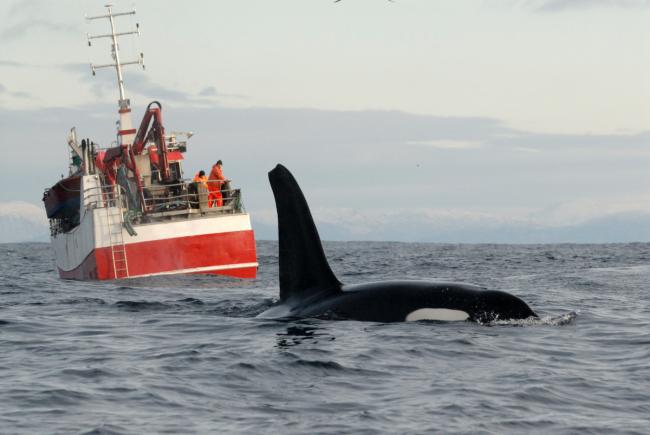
[{"x": 414, "y": 120}]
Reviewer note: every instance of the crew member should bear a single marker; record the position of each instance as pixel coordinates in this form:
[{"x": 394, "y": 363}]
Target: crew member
[
  {"x": 200, "y": 178},
  {"x": 215, "y": 182}
]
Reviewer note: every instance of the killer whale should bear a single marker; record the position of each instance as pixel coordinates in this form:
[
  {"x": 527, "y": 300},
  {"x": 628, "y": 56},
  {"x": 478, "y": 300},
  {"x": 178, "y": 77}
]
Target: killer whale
[{"x": 309, "y": 288}]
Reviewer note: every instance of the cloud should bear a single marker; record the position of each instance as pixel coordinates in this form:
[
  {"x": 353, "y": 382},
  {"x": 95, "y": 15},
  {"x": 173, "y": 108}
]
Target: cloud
[
  {"x": 25, "y": 7},
  {"x": 371, "y": 169},
  {"x": 104, "y": 82},
  {"x": 13, "y": 64},
  {"x": 537, "y": 141},
  {"x": 527, "y": 150},
  {"x": 26, "y": 17},
  {"x": 76, "y": 67},
  {"x": 447, "y": 144},
  {"x": 27, "y": 27},
  {"x": 211, "y": 91},
  {"x": 16, "y": 94},
  {"x": 143, "y": 85},
  {"x": 139, "y": 83},
  {"x": 567, "y": 5}
]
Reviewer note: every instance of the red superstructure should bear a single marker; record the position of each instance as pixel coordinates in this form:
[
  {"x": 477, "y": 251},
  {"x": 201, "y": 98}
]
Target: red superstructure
[{"x": 127, "y": 211}]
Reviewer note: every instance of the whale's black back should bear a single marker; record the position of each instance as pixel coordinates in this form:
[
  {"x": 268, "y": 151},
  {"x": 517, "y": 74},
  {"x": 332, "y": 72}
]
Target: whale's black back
[{"x": 303, "y": 265}]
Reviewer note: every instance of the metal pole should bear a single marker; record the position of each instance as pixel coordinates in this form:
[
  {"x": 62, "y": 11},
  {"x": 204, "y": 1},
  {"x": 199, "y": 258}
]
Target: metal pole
[{"x": 116, "y": 54}]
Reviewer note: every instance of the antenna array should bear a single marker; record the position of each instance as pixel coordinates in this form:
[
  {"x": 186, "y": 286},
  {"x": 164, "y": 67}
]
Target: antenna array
[{"x": 115, "y": 49}]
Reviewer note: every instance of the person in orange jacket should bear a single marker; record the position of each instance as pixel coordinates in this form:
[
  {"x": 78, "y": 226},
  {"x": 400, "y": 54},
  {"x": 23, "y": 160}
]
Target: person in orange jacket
[
  {"x": 215, "y": 182},
  {"x": 200, "y": 178}
]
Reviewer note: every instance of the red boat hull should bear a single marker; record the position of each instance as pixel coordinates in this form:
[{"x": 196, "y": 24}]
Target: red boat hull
[{"x": 231, "y": 254}]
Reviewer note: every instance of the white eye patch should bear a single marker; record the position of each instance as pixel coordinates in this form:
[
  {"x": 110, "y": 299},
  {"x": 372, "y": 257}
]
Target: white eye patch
[{"x": 440, "y": 314}]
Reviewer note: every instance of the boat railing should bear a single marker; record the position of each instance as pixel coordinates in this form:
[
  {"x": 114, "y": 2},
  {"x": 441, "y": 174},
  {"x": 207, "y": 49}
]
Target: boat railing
[
  {"x": 105, "y": 196},
  {"x": 189, "y": 196},
  {"x": 93, "y": 197},
  {"x": 183, "y": 197}
]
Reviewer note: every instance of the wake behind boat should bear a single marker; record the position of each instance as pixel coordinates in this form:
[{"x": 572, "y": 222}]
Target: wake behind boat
[{"x": 127, "y": 211}]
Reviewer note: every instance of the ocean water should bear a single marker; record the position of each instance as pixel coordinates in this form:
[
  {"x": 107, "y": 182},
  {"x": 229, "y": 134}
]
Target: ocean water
[{"x": 187, "y": 355}]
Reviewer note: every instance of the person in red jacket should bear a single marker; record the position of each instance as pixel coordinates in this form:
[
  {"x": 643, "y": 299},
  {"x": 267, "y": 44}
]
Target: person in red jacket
[{"x": 215, "y": 182}]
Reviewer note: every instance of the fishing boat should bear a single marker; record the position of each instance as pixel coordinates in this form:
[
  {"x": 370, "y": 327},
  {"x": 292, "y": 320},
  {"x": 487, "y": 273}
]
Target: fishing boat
[{"x": 127, "y": 210}]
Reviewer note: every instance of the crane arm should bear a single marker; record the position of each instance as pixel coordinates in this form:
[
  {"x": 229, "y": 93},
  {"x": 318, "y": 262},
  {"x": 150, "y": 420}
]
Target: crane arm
[{"x": 151, "y": 128}]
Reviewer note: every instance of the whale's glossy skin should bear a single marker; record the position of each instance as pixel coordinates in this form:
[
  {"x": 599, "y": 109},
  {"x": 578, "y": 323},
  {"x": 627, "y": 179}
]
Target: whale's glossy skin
[
  {"x": 309, "y": 288},
  {"x": 393, "y": 301}
]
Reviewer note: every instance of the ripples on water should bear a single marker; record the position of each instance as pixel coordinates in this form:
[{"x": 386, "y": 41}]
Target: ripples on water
[{"x": 186, "y": 355}]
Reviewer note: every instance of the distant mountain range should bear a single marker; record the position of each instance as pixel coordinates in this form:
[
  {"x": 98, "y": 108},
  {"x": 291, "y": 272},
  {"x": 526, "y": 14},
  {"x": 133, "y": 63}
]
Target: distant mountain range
[
  {"x": 26, "y": 222},
  {"x": 22, "y": 222},
  {"x": 416, "y": 226}
]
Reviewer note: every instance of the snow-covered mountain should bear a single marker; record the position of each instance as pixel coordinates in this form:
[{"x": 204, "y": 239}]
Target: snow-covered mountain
[
  {"x": 26, "y": 222},
  {"x": 22, "y": 222},
  {"x": 463, "y": 227}
]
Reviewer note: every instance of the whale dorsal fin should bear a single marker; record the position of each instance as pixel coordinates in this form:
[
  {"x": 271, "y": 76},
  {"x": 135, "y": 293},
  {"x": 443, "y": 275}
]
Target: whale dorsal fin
[{"x": 303, "y": 265}]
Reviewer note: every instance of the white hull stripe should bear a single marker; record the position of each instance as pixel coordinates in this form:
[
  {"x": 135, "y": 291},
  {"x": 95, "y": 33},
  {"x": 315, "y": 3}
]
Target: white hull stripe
[
  {"x": 177, "y": 229},
  {"x": 198, "y": 269}
]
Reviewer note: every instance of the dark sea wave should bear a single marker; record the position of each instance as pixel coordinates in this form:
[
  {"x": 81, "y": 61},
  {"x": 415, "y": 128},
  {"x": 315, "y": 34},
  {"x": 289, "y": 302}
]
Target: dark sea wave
[{"x": 187, "y": 355}]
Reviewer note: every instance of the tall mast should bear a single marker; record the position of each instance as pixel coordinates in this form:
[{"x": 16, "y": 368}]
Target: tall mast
[{"x": 125, "y": 132}]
